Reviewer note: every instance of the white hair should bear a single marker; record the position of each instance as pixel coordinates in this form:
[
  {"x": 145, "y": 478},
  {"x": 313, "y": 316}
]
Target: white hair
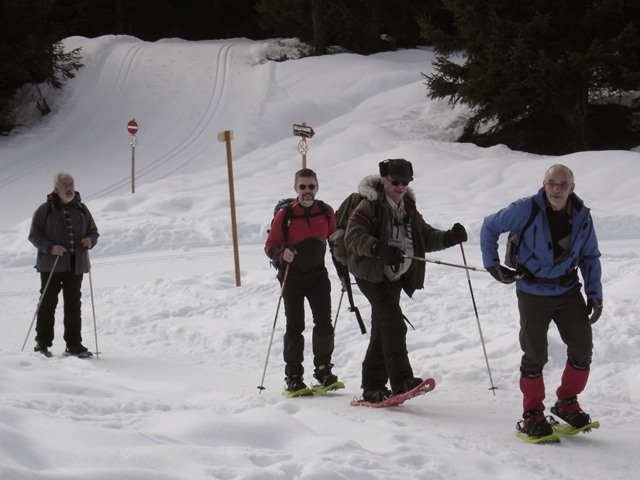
[
  {"x": 559, "y": 166},
  {"x": 59, "y": 176}
]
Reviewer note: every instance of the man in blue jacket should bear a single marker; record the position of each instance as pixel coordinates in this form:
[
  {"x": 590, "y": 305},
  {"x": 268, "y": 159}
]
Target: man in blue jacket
[{"x": 557, "y": 238}]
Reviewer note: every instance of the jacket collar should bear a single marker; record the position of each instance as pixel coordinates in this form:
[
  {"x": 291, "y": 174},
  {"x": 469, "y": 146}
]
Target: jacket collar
[{"x": 371, "y": 188}]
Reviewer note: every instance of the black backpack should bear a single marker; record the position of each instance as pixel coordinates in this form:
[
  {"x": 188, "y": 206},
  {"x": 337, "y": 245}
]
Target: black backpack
[
  {"x": 339, "y": 252},
  {"x": 514, "y": 240},
  {"x": 343, "y": 214}
]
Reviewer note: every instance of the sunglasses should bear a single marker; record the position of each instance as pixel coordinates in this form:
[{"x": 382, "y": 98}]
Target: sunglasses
[
  {"x": 395, "y": 183},
  {"x": 311, "y": 186}
]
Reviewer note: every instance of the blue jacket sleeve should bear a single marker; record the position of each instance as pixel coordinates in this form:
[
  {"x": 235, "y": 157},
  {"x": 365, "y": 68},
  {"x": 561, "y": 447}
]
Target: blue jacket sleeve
[
  {"x": 589, "y": 263},
  {"x": 511, "y": 218}
]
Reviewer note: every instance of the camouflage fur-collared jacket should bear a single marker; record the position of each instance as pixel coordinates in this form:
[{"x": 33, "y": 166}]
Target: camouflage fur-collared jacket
[{"x": 369, "y": 225}]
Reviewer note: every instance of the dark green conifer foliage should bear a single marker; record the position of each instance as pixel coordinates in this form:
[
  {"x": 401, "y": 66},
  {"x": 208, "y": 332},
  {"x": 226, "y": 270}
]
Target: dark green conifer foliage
[{"x": 541, "y": 76}]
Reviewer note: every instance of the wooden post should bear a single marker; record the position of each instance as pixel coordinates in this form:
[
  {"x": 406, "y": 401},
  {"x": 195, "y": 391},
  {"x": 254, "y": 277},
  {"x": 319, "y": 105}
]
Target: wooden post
[
  {"x": 305, "y": 149},
  {"x": 226, "y": 137}
]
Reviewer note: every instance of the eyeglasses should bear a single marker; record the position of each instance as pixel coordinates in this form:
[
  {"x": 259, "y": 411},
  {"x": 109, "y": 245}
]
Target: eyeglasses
[
  {"x": 395, "y": 183},
  {"x": 311, "y": 186},
  {"x": 561, "y": 186}
]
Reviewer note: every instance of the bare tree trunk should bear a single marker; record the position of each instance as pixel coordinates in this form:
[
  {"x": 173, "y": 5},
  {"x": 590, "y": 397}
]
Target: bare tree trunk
[
  {"x": 575, "y": 117},
  {"x": 119, "y": 19},
  {"x": 319, "y": 29},
  {"x": 375, "y": 26}
]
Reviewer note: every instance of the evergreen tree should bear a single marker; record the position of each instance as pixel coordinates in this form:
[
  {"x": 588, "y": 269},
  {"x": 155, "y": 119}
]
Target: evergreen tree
[
  {"x": 362, "y": 26},
  {"x": 31, "y": 51},
  {"x": 155, "y": 19},
  {"x": 537, "y": 74}
]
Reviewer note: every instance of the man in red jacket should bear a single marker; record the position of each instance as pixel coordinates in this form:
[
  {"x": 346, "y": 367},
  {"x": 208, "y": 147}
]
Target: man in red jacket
[{"x": 297, "y": 243}]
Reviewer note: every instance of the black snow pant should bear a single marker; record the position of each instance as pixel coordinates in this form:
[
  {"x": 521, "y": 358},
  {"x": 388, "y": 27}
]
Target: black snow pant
[
  {"x": 71, "y": 285},
  {"x": 569, "y": 312},
  {"x": 315, "y": 286},
  {"x": 387, "y": 357}
]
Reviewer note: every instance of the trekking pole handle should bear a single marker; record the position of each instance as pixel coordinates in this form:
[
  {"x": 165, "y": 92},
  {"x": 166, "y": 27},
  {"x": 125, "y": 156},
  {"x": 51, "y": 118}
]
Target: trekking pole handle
[{"x": 440, "y": 262}]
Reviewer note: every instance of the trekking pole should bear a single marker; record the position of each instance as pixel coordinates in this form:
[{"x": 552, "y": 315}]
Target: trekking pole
[
  {"x": 93, "y": 307},
  {"x": 439, "y": 262},
  {"x": 44, "y": 290},
  {"x": 273, "y": 330},
  {"x": 475, "y": 308},
  {"x": 338, "y": 310}
]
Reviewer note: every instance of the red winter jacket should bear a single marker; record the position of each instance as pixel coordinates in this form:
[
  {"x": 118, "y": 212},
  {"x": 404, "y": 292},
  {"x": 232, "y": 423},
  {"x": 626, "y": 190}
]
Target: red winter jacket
[{"x": 307, "y": 234}]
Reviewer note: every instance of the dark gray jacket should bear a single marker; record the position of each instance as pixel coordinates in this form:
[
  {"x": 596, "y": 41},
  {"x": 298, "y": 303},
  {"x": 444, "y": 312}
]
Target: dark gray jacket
[{"x": 48, "y": 229}]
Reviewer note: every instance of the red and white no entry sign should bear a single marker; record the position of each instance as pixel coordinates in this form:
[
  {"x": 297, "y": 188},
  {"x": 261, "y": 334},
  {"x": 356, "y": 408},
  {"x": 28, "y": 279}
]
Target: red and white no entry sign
[{"x": 132, "y": 127}]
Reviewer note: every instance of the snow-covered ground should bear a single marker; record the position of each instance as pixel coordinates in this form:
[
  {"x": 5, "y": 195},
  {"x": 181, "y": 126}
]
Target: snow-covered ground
[{"x": 173, "y": 394}]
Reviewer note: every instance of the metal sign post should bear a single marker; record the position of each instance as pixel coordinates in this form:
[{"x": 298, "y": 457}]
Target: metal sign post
[
  {"x": 226, "y": 137},
  {"x": 304, "y": 131},
  {"x": 132, "y": 128}
]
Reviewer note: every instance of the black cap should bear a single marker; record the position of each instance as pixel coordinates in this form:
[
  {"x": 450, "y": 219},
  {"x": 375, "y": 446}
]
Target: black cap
[{"x": 397, "y": 168}]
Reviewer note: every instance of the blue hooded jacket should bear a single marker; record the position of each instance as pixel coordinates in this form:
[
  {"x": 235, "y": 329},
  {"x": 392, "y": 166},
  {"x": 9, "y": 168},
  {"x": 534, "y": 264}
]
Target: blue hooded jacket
[{"x": 536, "y": 253}]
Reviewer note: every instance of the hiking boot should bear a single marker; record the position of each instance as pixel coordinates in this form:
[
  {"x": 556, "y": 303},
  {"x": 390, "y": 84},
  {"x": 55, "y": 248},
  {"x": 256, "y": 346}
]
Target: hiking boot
[
  {"x": 294, "y": 383},
  {"x": 535, "y": 424},
  {"x": 569, "y": 410},
  {"x": 42, "y": 349},
  {"x": 77, "y": 351},
  {"x": 409, "y": 384},
  {"x": 324, "y": 376},
  {"x": 376, "y": 395}
]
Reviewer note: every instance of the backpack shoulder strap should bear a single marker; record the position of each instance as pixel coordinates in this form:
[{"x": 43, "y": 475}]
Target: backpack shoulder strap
[
  {"x": 324, "y": 208},
  {"x": 286, "y": 219},
  {"x": 534, "y": 212}
]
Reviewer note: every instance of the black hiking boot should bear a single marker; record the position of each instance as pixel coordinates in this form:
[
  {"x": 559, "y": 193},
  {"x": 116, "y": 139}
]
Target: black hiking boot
[
  {"x": 43, "y": 350},
  {"x": 324, "y": 375},
  {"x": 376, "y": 395},
  {"x": 77, "y": 351},
  {"x": 569, "y": 410},
  {"x": 408, "y": 385},
  {"x": 535, "y": 424},
  {"x": 294, "y": 383}
]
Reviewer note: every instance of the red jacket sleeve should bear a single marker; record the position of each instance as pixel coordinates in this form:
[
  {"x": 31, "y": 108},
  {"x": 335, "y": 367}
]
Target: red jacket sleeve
[{"x": 275, "y": 240}]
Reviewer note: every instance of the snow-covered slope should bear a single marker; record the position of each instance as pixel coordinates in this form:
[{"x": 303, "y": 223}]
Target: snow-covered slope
[{"x": 182, "y": 349}]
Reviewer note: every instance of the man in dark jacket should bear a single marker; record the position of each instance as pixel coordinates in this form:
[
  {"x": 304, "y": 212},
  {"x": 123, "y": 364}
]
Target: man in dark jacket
[
  {"x": 383, "y": 230},
  {"x": 297, "y": 242},
  {"x": 62, "y": 229},
  {"x": 559, "y": 240}
]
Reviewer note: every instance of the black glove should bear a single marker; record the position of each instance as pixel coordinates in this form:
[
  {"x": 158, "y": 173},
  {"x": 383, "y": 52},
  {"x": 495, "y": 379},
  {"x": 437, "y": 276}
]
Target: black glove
[
  {"x": 594, "y": 305},
  {"x": 456, "y": 235},
  {"x": 503, "y": 274},
  {"x": 393, "y": 256}
]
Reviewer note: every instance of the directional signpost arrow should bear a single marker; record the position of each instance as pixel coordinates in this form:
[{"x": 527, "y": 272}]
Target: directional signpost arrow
[{"x": 303, "y": 131}]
